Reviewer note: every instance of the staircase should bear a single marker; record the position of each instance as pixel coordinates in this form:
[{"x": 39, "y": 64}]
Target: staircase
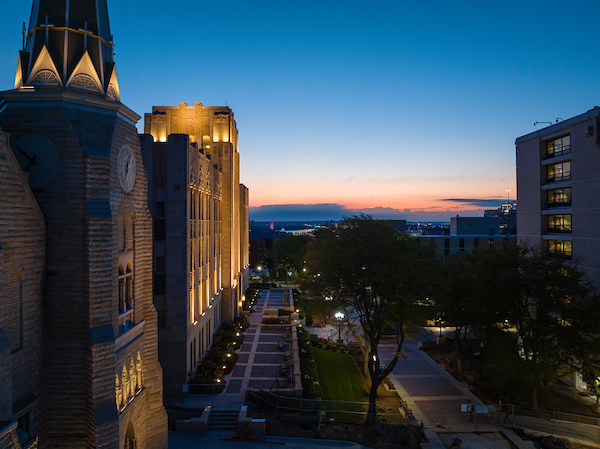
[{"x": 223, "y": 419}]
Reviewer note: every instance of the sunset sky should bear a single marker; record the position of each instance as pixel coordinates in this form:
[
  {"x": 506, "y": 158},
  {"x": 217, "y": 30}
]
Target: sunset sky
[{"x": 400, "y": 109}]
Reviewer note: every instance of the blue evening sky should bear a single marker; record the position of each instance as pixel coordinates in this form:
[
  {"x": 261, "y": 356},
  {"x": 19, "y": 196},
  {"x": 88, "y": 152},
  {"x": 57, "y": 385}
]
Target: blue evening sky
[{"x": 403, "y": 109}]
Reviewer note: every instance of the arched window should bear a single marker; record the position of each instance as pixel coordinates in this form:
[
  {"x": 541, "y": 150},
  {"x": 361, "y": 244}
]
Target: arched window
[
  {"x": 85, "y": 82},
  {"x": 46, "y": 77},
  {"x": 126, "y": 298},
  {"x": 130, "y": 437}
]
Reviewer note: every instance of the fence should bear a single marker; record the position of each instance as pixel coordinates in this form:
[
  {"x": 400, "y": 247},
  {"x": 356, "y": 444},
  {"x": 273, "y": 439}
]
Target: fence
[
  {"x": 317, "y": 409},
  {"x": 557, "y": 423}
]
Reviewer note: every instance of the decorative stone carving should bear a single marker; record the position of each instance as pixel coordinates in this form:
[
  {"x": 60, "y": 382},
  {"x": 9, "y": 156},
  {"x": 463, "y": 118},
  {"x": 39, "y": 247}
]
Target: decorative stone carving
[
  {"x": 111, "y": 92},
  {"x": 132, "y": 378},
  {"x": 125, "y": 386},
  {"x": 197, "y": 116},
  {"x": 118, "y": 392},
  {"x": 193, "y": 173},
  {"x": 221, "y": 118},
  {"x": 139, "y": 371}
]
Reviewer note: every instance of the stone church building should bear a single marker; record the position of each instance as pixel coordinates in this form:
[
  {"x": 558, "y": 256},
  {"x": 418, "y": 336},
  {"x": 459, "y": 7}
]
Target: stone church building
[{"x": 79, "y": 363}]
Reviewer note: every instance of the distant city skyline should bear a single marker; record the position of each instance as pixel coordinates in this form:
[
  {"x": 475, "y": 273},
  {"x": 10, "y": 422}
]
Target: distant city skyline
[{"x": 401, "y": 110}]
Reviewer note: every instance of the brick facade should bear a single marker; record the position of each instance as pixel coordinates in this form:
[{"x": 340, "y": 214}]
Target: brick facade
[{"x": 87, "y": 344}]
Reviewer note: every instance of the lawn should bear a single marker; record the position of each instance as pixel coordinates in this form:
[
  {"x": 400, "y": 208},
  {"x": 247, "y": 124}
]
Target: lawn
[{"x": 339, "y": 376}]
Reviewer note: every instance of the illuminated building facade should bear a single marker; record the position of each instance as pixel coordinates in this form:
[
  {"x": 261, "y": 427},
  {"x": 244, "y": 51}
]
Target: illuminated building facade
[
  {"x": 100, "y": 382},
  {"x": 201, "y": 237},
  {"x": 558, "y": 190}
]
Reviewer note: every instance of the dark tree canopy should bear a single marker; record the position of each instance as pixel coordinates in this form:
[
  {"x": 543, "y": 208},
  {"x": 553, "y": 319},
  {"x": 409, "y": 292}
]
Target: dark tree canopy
[{"x": 375, "y": 272}]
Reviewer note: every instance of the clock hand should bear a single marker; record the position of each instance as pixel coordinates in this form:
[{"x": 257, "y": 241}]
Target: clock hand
[
  {"x": 29, "y": 158},
  {"x": 129, "y": 164}
]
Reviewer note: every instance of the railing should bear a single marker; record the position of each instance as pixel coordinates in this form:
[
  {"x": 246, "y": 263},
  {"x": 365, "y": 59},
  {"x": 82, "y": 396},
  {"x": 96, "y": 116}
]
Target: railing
[
  {"x": 550, "y": 421},
  {"x": 313, "y": 409}
]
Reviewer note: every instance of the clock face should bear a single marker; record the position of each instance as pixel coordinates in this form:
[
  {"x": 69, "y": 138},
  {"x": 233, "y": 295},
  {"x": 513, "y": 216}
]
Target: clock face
[
  {"x": 126, "y": 168},
  {"x": 38, "y": 156}
]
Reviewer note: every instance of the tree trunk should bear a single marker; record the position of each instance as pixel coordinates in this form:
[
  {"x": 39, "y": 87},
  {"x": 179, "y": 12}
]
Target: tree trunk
[
  {"x": 457, "y": 349},
  {"x": 372, "y": 414},
  {"x": 534, "y": 403}
]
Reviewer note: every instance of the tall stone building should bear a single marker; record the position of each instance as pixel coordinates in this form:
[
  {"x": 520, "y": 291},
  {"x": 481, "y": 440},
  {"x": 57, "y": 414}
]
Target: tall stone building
[
  {"x": 101, "y": 382},
  {"x": 201, "y": 224}
]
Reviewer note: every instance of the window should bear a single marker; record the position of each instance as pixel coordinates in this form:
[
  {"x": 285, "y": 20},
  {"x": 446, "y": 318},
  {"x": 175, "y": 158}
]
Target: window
[
  {"x": 126, "y": 298},
  {"x": 560, "y": 248},
  {"x": 160, "y": 209},
  {"x": 476, "y": 242},
  {"x": 159, "y": 230},
  {"x": 559, "y": 197},
  {"x": 559, "y": 172},
  {"x": 491, "y": 241},
  {"x": 461, "y": 243},
  {"x": 559, "y": 146},
  {"x": 160, "y": 286},
  {"x": 559, "y": 223},
  {"x": 160, "y": 265}
]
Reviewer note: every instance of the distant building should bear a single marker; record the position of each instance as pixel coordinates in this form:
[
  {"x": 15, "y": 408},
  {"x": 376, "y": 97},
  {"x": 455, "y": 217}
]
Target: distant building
[
  {"x": 261, "y": 243},
  {"x": 474, "y": 225},
  {"x": 558, "y": 190},
  {"x": 466, "y": 233},
  {"x": 201, "y": 235},
  {"x": 507, "y": 213}
]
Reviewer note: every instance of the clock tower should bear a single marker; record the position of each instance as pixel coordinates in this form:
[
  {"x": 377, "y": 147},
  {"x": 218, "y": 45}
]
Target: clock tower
[{"x": 80, "y": 149}]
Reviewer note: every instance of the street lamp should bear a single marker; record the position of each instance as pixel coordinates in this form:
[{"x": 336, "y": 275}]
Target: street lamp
[
  {"x": 340, "y": 317},
  {"x": 441, "y": 318}
]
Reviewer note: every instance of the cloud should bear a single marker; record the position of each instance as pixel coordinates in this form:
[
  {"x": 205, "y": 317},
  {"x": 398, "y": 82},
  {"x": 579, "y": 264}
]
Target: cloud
[
  {"x": 299, "y": 212},
  {"x": 490, "y": 203},
  {"x": 335, "y": 212}
]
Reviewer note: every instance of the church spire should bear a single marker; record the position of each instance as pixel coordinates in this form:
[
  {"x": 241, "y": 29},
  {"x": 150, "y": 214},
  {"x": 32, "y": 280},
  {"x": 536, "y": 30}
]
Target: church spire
[{"x": 69, "y": 44}]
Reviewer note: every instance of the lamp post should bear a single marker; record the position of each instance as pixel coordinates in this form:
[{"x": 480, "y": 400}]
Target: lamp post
[
  {"x": 340, "y": 317},
  {"x": 440, "y": 319}
]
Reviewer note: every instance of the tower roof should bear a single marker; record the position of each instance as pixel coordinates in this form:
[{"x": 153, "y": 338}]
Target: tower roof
[{"x": 69, "y": 44}]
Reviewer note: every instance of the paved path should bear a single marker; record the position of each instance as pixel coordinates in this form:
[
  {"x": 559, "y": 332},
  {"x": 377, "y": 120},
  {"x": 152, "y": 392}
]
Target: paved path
[
  {"x": 258, "y": 357},
  {"x": 432, "y": 393}
]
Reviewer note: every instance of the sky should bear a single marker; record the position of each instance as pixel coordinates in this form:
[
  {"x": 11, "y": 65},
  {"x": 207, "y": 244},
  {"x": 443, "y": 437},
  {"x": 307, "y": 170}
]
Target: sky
[{"x": 405, "y": 110}]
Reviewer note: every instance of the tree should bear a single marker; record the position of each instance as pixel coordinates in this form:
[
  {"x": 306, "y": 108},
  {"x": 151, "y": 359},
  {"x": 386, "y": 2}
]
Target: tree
[
  {"x": 457, "y": 298},
  {"x": 290, "y": 252},
  {"x": 556, "y": 316},
  {"x": 373, "y": 271}
]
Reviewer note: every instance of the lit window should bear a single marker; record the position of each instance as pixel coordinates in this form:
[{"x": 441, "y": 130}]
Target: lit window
[
  {"x": 560, "y": 248},
  {"x": 560, "y": 171},
  {"x": 559, "y": 223},
  {"x": 559, "y": 197},
  {"x": 559, "y": 146}
]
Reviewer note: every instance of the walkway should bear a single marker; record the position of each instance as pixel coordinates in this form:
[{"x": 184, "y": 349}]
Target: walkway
[
  {"x": 432, "y": 393},
  {"x": 259, "y": 356}
]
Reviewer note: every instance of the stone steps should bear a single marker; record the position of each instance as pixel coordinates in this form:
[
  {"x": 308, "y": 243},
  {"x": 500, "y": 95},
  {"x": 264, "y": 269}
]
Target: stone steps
[{"x": 223, "y": 419}]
